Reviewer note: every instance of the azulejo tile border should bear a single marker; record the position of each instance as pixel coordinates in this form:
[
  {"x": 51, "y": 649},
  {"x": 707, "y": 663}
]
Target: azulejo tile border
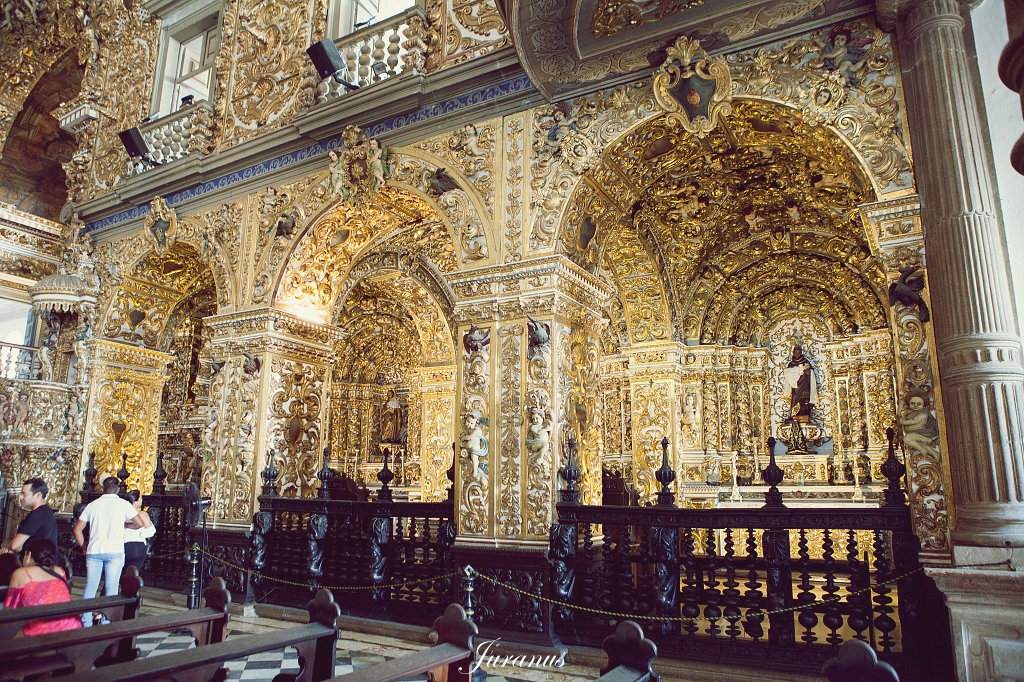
[{"x": 481, "y": 96}]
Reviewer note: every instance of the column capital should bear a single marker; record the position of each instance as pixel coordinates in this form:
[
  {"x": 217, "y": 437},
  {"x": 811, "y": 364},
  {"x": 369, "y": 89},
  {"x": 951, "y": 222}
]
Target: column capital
[{"x": 890, "y": 12}]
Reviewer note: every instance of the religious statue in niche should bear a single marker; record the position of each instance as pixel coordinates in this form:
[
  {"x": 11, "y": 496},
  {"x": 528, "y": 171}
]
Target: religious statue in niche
[
  {"x": 391, "y": 419},
  {"x": 474, "y": 442},
  {"x": 918, "y": 423},
  {"x": 803, "y": 386},
  {"x": 538, "y": 436}
]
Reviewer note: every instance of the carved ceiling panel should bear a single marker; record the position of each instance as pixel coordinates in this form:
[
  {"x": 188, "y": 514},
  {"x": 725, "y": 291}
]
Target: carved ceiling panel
[
  {"x": 382, "y": 345},
  {"x": 568, "y": 48},
  {"x": 757, "y": 218},
  {"x": 312, "y": 279}
]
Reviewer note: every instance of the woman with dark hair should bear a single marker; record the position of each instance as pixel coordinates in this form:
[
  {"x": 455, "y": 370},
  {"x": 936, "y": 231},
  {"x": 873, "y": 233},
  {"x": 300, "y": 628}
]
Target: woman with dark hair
[
  {"x": 39, "y": 581},
  {"x": 135, "y": 547}
]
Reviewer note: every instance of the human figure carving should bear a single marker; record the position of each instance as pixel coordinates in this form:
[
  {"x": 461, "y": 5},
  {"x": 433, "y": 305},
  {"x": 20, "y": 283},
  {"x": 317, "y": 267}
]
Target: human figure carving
[
  {"x": 391, "y": 419},
  {"x": 538, "y": 436},
  {"x": 474, "y": 443},
  {"x": 803, "y": 387}
]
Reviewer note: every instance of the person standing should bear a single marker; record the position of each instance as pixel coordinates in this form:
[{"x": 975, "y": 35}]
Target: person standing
[
  {"x": 106, "y": 517},
  {"x": 135, "y": 547},
  {"x": 40, "y": 524}
]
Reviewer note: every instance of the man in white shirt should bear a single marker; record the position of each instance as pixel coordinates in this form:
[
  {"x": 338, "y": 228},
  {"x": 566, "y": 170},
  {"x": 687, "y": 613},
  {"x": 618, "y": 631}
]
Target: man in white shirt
[{"x": 107, "y": 517}]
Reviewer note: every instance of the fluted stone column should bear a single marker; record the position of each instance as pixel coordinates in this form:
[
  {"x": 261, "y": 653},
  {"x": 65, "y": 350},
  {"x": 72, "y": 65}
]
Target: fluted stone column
[{"x": 978, "y": 343}]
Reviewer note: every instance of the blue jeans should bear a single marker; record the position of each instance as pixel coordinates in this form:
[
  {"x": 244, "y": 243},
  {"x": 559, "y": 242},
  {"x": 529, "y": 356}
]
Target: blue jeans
[{"x": 109, "y": 567}]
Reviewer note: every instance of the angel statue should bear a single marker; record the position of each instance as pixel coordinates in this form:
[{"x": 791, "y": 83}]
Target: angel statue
[
  {"x": 538, "y": 436},
  {"x": 474, "y": 442}
]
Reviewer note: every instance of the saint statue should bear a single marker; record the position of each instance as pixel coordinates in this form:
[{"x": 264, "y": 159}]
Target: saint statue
[
  {"x": 391, "y": 419},
  {"x": 803, "y": 388}
]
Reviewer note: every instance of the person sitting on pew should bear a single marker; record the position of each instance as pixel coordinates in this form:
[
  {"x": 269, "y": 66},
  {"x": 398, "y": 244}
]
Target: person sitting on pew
[{"x": 39, "y": 582}]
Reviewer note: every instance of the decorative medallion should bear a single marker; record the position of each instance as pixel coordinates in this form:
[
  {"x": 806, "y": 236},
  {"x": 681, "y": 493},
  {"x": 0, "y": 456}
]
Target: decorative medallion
[
  {"x": 694, "y": 89},
  {"x": 578, "y": 151},
  {"x": 161, "y": 225},
  {"x": 358, "y": 173}
]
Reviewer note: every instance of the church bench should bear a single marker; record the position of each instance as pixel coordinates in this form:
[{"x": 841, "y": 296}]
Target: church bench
[
  {"x": 315, "y": 643},
  {"x": 450, "y": 660},
  {"x": 76, "y": 651},
  {"x": 629, "y": 655},
  {"x": 124, "y": 606}
]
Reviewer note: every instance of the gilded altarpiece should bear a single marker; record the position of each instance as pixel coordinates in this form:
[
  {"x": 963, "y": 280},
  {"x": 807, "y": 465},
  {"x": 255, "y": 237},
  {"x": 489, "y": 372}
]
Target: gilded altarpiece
[
  {"x": 125, "y": 385},
  {"x": 270, "y": 393}
]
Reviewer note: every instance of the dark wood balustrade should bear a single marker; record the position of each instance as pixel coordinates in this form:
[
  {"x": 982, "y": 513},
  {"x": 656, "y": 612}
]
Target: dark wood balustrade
[
  {"x": 842, "y": 573},
  {"x": 341, "y": 543}
]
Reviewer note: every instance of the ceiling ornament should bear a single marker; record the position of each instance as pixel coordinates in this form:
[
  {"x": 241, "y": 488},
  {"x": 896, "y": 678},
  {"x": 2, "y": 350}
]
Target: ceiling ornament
[
  {"x": 160, "y": 225},
  {"x": 359, "y": 172},
  {"x": 694, "y": 89},
  {"x": 612, "y": 17}
]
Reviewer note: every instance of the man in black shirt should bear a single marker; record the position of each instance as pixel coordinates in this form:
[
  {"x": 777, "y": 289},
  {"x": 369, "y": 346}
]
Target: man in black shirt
[{"x": 40, "y": 522}]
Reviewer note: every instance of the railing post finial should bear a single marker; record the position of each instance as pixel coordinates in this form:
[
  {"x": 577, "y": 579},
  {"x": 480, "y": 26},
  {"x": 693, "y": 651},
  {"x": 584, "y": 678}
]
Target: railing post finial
[
  {"x": 468, "y": 573},
  {"x": 159, "y": 475},
  {"x": 570, "y": 474},
  {"x": 122, "y": 474},
  {"x": 270, "y": 476},
  {"x": 385, "y": 476},
  {"x": 772, "y": 475},
  {"x": 893, "y": 470},
  {"x": 324, "y": 475},
  {"x": 90, "y": 473},
  {"x": 665, "y": 475}
]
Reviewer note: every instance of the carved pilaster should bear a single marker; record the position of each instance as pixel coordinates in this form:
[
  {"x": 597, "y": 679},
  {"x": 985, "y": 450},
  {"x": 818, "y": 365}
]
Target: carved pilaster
[
  {"x": 271, "y": 392},
  {"x": 977, "y": 339},
  {"x": 124, "y": 409}
]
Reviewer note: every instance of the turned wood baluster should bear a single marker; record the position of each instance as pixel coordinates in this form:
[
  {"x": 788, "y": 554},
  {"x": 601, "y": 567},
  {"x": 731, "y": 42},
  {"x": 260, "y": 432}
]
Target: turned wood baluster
[
  {"x": 665, "y": 551},
  {"x": 691, "y": 592},
  {"x": 808, "y": 618},
  {"x": 585, "y": 572},
  {"x": 832, "y": 619},
  {"x": 731, "y": 595},
  {"x": 644, "y": 593},
  {"x": 606, "y": 577},
  {"x": 753, "y": 598},
  {"x": 883, "y": 569},
  {"x": 423, "y": 564},
  {"x": 712, "y": 598},
  {"x": 625, "y": 603},
  {"x": 860, "y": 604}
]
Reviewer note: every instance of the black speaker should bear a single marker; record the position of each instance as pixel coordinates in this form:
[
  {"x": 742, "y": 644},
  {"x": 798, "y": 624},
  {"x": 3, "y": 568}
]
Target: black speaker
[
  {"x": 134, "y": 142},
  {"x": 325, "y": 58}
]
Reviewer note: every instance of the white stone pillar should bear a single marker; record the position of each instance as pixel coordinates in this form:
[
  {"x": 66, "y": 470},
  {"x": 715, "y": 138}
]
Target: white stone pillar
[{"x": 978, "y": 344}]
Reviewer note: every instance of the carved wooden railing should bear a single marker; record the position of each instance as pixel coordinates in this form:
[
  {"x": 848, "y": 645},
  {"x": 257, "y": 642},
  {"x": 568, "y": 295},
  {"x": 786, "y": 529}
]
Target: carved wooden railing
[
  {"x": 758, "y": 593},
  {"x": 337, "y": 543}
]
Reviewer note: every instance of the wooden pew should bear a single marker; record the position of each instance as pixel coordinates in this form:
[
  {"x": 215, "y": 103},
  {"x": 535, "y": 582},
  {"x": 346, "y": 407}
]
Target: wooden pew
[
  {"x": 450, "y": 660},
  {"x": 124, "y": 606},
  {"x": 315, "y": 643},
  {"x": 77, "y": 651},
  {"x": 856, "y": 661},
  {"x": 629, "y": 655}
]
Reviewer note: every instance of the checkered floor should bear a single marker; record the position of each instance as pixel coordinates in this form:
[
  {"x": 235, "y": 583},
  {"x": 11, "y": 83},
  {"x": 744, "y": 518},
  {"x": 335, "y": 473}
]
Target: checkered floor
[{"x": 258, "y": 666}]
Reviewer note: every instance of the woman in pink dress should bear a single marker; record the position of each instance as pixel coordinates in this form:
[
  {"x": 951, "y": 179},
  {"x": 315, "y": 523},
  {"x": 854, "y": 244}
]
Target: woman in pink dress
[{"x": 39, "y": 582}]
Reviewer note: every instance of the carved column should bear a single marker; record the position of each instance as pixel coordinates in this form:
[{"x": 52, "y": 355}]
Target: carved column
[
  {"x": 125, "y": 385},
  {"x": 979, "y": 348},
  {"x": 529, "y": 351},
  {"x": 270, "y": 392}
]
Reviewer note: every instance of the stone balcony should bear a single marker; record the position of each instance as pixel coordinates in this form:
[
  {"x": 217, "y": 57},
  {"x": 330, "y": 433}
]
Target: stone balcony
[
  {"x": 175, "y": 136},
  {"x": 379, "y": 52}
]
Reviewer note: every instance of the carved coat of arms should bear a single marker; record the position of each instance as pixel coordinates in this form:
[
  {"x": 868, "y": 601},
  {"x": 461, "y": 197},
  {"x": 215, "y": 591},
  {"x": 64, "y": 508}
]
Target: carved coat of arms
[
  {"x": 693, "y": 88},
  {"x": 358, "y": 173},
  {"x": 161, "y": 225}
]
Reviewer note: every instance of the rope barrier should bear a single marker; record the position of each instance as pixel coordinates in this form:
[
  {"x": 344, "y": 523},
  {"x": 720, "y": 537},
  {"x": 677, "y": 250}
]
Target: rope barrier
[
  {"x": 798, "y": 607},
  {"x": 513, "y": 588},
  {"x": 352, "y": 588}
]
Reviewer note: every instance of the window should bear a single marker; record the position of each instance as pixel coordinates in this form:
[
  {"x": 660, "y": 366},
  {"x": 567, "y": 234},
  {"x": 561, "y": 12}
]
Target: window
[
  {"x": 188, "y": 63},
  {"x": 348, "y": 16},
  {"x": 15, "y": 319}
]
